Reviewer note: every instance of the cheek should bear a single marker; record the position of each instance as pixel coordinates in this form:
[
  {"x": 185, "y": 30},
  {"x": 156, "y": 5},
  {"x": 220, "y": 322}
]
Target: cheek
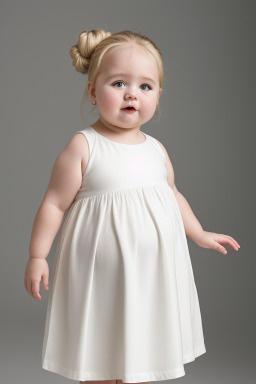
[
  {"x": 109, "y": 98},
  {"x": 148, "y": 105}
]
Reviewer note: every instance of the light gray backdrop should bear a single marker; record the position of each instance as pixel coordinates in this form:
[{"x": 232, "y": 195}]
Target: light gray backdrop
[{"x": 207, "y": 124}]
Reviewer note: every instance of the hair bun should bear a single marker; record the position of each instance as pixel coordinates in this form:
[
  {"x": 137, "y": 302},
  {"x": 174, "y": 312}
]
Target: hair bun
[{"x": 83, "y": 50}]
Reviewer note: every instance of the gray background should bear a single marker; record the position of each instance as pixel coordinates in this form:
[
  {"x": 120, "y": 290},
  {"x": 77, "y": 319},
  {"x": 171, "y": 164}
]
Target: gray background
[{"x": 206, "y": 124}]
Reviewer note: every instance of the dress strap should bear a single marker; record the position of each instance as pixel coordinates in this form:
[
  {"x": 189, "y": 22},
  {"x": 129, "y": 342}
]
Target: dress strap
[
  {"x": 87, "y": 132},
  {"x": 157, "y": 147}
]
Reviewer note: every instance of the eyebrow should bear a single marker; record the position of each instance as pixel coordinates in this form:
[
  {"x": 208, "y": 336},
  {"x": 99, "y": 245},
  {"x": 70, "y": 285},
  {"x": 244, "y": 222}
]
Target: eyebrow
[{"x": 124, "y": 74}]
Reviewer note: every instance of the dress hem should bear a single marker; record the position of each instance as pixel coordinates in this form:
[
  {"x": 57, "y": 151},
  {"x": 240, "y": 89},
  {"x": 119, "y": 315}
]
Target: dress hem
[{"x": 128, "y": 378}]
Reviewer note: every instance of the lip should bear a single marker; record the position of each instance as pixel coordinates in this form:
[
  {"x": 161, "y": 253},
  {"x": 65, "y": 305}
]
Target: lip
[
  {"x": 130, "y": 111},
  {"x": 131, "y": 106}
]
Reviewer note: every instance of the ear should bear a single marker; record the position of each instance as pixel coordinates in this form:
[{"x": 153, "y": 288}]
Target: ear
[
  {"x": 160, "y": 91},
  {"x": 91, "y": 90}
]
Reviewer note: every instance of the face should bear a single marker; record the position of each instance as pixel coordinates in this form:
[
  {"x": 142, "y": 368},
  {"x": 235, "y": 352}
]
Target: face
[{"x": 127, "y": 75}]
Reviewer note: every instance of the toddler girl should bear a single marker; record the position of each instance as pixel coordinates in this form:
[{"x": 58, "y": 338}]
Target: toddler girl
[{"x": 123, "y": 304}]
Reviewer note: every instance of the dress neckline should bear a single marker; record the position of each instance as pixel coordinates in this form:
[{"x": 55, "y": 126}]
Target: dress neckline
[{"x": 124, "y": 144}]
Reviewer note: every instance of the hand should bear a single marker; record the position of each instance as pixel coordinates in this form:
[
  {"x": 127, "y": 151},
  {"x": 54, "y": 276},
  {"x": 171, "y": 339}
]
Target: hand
[
  {"x": 215, "y": 241},
  {"x": 36, "y": 268}
]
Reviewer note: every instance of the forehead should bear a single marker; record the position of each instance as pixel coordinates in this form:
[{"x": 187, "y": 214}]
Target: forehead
[{"x": 130, "y": 59}]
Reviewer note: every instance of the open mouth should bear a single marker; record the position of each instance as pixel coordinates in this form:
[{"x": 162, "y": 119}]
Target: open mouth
[{"x": 130, "y": 108}]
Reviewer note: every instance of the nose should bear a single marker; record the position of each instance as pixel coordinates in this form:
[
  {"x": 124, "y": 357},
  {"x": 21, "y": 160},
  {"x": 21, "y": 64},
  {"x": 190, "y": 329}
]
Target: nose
[{"x": 131, "y": 96}]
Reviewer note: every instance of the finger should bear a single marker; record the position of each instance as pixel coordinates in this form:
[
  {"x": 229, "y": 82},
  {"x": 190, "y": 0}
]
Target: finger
[
  {"x": 220, "y": 248},
  {"x": 36, "y": 289},
  {"x": 227, "y": 241},
  {"x": 231, "y": 238},
  {"x": 45, "y": 282},
  {"x": 29, "y": 285},
  {"x": 234, "y": 246},
  {"x": 234, "y": 241},
  {"x": 230, "y": 244}
]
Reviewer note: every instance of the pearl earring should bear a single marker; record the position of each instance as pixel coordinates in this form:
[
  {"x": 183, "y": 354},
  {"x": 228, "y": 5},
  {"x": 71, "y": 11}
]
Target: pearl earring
[{"x": 94, "y": 102}]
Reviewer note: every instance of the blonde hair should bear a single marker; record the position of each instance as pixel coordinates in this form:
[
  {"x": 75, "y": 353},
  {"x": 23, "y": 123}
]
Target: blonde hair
[{"x": 88, "y": 53}]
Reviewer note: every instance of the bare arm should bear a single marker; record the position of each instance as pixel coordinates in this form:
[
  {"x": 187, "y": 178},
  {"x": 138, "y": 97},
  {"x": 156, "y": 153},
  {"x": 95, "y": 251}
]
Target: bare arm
[
  {"x": 192, "y": 226},
  {"x": 64, "y": 184}
]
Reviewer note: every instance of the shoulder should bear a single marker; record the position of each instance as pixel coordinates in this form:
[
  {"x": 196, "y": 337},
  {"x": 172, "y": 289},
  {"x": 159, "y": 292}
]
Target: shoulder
[
  {"x": 165, "y": 151},
  {"x": 77, "y": 142},
  {"x": 78, "y": 146},
  {"x": 161, "y": 145}
]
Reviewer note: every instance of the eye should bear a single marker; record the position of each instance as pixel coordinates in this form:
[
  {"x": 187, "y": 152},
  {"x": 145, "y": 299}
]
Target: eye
[
  {"x": 143, "y": 85},
  {"x": 146, "y": 86},
  {"x": 118, "y": 82}
]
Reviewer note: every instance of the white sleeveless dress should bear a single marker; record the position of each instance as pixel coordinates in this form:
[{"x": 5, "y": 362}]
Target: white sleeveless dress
[{"x": 123, "y": 303}]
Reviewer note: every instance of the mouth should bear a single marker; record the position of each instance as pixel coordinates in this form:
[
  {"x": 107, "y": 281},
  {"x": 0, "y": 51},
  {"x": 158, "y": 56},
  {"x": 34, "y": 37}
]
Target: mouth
[{"x": 129, "y": 109}]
